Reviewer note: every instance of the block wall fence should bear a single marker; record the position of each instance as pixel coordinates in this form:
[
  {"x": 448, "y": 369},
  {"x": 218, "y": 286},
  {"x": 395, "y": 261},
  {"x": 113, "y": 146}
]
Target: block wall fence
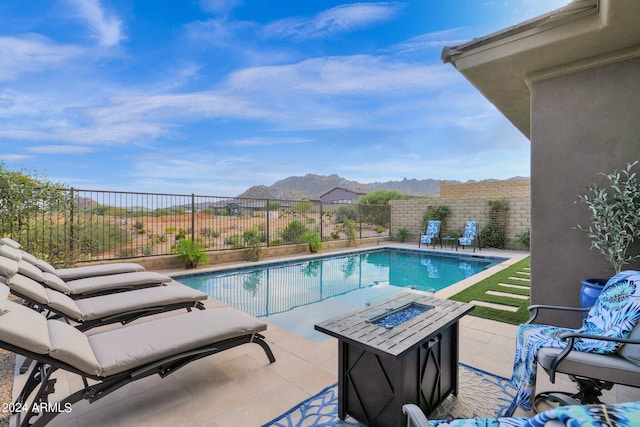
[
  {"x": 468, "y": 201},
  {"x": 497, "y": 189}
]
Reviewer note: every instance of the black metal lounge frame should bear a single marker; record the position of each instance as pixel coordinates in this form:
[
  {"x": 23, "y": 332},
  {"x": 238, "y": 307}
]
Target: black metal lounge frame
[{"x": 41, "y": 382}]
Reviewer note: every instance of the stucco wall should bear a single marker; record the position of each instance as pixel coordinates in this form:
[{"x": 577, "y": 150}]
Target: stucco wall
[
  {"x": 408, "y": 214},
  {"x": 583, "y": 123},
  {"x": 502, "y": 188}
]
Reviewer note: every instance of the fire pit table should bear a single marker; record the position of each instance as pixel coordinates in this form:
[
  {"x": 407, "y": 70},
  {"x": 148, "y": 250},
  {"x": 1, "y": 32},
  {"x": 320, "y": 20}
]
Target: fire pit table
[{"x": 402, "y": 349}]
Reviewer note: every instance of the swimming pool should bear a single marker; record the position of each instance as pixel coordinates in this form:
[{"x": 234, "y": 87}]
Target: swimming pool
[{"x": 297, "y": 294}]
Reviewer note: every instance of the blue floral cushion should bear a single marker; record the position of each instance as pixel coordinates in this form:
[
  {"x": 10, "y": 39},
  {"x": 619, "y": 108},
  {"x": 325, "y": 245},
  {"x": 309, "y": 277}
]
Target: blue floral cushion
[
  {"x": 433, "y": 228},
  {"x": 469, "y": 233}
]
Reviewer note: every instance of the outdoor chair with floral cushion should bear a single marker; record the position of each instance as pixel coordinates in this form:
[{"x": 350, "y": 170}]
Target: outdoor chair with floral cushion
[
  {"x": 618, "y": 414},
  {"x": 470, "y": 236},
  {"x": 431, "y": 234},
  {"x": 603, "y": 352}
]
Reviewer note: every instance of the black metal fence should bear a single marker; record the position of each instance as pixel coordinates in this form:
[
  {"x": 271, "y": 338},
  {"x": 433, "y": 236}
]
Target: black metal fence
[{"x": 86, "y": 225}]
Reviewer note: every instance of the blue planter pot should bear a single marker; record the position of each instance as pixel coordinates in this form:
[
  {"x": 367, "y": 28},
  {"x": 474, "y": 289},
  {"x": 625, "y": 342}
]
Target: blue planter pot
[{"x": 590, "y": 291}]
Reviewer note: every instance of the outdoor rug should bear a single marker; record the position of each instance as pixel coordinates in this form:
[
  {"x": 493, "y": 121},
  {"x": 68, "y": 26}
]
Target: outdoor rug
[{"x": 481, "y": 394}]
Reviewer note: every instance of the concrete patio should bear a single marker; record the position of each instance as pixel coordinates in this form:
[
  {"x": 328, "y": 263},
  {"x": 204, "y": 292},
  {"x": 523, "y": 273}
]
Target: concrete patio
[{"x": 239, "y": 388}]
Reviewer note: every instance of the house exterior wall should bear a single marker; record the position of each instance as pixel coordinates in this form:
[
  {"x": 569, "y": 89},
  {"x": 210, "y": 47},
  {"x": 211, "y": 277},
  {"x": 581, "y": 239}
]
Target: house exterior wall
[
  {"x": 408, "y": 214},
  {"x": 340, "y": 195},
  {"x": 583, "y": 123},
  {"x": 491, "y": 189}
]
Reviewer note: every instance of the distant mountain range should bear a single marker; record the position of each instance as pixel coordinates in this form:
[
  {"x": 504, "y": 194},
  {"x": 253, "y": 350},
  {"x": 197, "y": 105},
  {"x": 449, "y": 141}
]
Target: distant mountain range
[{"x": 312, "y": 186}]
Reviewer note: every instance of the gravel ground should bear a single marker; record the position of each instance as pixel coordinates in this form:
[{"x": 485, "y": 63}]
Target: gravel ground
[{"x": 7, "y": 365}]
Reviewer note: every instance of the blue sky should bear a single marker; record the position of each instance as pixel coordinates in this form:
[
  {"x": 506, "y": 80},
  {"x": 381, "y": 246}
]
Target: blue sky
[{"x": 214, "y": 96}]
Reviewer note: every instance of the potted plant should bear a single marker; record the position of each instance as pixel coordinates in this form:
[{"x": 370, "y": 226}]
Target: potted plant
[{"x": 615, "y": 224}]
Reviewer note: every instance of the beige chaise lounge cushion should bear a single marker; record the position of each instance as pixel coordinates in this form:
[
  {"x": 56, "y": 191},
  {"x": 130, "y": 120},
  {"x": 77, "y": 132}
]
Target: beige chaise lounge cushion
[
  {"x": 8, "y": 267},
  {"x": 9, "y": 242},
  {"x": 106, "y": 305},
  {"x": 97, "y": 270},
  {"x": 119, "y": 350},
  {"x": 138, "y": 278},
  {"x": 90, "y": 284}
]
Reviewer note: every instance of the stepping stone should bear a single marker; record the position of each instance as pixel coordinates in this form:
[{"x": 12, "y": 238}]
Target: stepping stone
[
  {"x": 508, "y": 295},
  {"x": 496, "y": 306},
  {"x": 524, "y": 279},
  {"x": 509, "y": 285},
  {"x": 524, "y": 273}
]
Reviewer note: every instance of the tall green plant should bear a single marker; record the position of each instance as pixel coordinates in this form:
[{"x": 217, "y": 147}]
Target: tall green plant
[
  {"x": 435, "y": 213},
  {"x": 350, "y": 229},
  {"x": 191, "y": 252},
  {"x": 615, "y": 216}
]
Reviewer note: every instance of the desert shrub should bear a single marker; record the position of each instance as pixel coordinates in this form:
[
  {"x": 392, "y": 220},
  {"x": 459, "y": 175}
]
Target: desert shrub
[
  {"x": 435, "y": 213},
  {"x": 234, "y": 240},
  {"x": 525, "y": 238},
  {"x": 491, "y": 236},
  {"x": 275, "y": 242},
  {"x": 147, "y": 250},
  {"x": 191, "y": 252},
  {"x": 350, "y": 229},
  {"x": 170, "y": 229},
  {"x": 302, "y": 207},
  {"x": 335, "y": 235},
  {"x": 344, "y": 212},
  {"x": 293, "y": 232},
  {"x": 253, "y": 239},
  {"x": 209, "y": 232},
  {"x": 380, "y": 229},
  {"x": 402, "y": 235}
]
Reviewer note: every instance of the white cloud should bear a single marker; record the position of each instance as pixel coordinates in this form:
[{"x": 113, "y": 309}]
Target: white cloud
[
  {"x": 333, "y": 21},
  {"x": 29, "y": 53},
  {"x": 104, "y": 26},
  {"x": 59, "y": 149}
]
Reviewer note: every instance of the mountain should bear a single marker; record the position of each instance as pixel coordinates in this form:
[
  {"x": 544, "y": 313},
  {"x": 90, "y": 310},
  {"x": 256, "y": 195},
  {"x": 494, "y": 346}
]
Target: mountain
[{"x": 312, "y": 186}]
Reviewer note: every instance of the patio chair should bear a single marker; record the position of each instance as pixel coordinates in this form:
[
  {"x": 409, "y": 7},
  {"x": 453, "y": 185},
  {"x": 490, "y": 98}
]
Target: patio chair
[
  {"x": 470, "y": 236},
  {"x": 89, "y": 286},
  {"x": 620, "y": 414},
  {"x": 113, "y": 358},
  {"x": 101, "y": 310},
  {"x": 74, "y": 272},
  {"x": 605, "y": 351},
  {"x": 431, "y": 234}
]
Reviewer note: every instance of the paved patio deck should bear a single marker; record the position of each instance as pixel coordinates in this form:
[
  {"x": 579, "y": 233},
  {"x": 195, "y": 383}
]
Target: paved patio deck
[{"x": 238, "y": 387}]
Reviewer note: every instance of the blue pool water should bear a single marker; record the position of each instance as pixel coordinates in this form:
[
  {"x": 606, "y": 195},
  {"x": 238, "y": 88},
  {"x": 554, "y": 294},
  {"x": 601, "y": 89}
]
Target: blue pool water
[{"x": 297, "y": 295}]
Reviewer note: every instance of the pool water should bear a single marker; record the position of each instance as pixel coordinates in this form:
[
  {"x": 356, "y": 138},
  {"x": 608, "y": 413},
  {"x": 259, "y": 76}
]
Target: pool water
[{"x": 297, "y": 295}]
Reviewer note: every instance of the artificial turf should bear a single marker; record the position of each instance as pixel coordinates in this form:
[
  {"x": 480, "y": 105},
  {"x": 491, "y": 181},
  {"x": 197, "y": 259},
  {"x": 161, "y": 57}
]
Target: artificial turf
[{"x": 478, "y": 291}]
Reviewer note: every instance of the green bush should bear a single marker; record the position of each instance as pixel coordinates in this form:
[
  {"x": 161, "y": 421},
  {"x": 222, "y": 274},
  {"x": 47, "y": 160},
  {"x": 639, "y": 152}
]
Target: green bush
[
  {"x": 191, "y": 252},
  {"x": 293, "y": 232},
  {"x": 525, "y": 238},
  {"x": 350, "y": 229},
  {"x": 402, "y": 235},
  {"x": 491, "y": 236},
  {"x": 234, "y": 240},
  {"x": 209, "y": 233},
  {"x": 435, "y": 213},
  {"x": 344, "y": 212},
  {"x": 253, "y": 239},
  {"x": 314, "y": 241}
]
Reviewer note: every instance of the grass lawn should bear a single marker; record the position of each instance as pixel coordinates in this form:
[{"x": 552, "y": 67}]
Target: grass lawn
[{"x": 509, "y": 276}]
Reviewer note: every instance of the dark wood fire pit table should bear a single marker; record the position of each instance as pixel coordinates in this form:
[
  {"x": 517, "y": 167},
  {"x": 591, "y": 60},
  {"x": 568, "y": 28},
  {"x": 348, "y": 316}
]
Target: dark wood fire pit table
[{"x": 381, "y": 369}]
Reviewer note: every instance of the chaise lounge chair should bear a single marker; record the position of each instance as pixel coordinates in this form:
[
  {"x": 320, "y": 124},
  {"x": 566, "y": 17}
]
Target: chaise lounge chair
[
  {"x": 99, "y": 310},
  {"x": 113, "y": 358},
  {"x": 74, "y": 272},
  {"x": 470, "y": 236},
  {"x": 89, "y": 286},
  {"x": 431, "y": 234}
]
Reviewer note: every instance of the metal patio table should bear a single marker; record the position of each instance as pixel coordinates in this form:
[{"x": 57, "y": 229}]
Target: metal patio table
[{"x": 382, "y": 369}]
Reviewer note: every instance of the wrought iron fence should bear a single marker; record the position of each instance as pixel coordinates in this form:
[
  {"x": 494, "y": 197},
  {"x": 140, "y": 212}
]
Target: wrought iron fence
[{"x": 86, "y": 225}]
